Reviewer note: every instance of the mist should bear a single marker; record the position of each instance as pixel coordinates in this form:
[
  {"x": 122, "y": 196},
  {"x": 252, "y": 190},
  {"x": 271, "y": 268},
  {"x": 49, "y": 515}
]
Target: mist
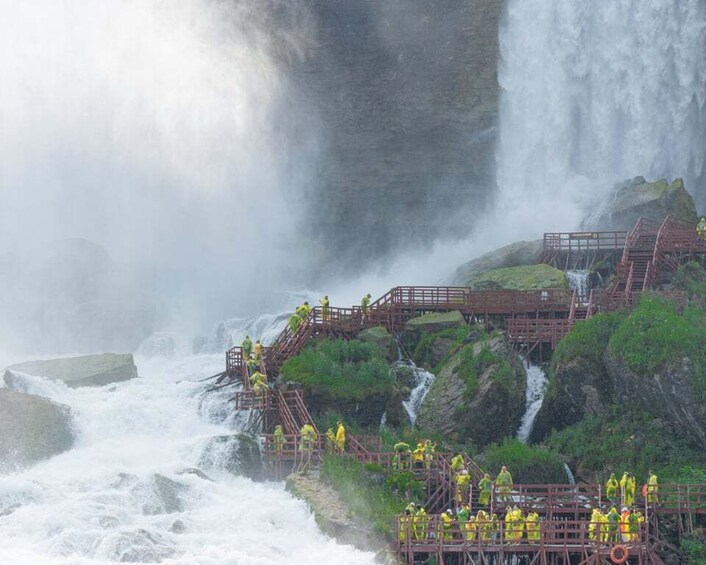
[{"x": 165, "y": 133}]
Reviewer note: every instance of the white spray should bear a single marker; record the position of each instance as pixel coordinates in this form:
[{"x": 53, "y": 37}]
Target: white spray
[{"x": 536, "y": 384}]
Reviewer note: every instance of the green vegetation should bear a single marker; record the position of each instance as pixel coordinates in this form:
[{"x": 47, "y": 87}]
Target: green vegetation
[
  {"x": 529, "y": 277},
  {"x": 694, "y": 548},
  {"x": 627, "y": 439},
  {"x": 371, "y": 497},
  {"x": 341, "y": 369},
  {"x": 422, "y": 354},
  {"x": 528, "y": 464},
  {"x": 691, "y": 278},
  {"x": 588, "y": 339},
  {"x": 654, "y": 335}
]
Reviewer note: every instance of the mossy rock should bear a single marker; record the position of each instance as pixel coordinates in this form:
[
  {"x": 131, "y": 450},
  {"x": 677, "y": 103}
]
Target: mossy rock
[
  {"x": 436, "y": 321},
  {"x": 516, "y": 254},
  {"x": 640, "y": 198},
  {"x": 380, "y": 338},
  {"x": 528, "y": 277}
]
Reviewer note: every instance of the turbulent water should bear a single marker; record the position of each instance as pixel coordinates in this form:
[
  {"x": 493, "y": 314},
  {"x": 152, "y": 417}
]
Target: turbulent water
[
  {"x": 101, "y": 502},
  {"x": 536, "y": 383},
  {"x": 594, "y": 93}
]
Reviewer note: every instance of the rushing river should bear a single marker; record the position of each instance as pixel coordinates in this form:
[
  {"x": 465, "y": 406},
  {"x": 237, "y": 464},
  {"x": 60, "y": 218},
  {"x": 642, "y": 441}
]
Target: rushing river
[{"x": 121, "y": 495}]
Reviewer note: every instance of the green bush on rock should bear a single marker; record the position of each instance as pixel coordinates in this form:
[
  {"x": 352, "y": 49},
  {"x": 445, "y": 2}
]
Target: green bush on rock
[
  {"x": 340, "y": 369},
  {"x": 527, "y": 464}
]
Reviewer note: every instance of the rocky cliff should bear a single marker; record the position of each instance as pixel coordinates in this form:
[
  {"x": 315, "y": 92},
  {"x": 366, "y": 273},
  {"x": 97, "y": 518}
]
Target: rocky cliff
[{"x": 478, "y": 396}]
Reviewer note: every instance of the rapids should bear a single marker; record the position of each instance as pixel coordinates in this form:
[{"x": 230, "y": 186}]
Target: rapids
[{"x": 121, "y": 494}]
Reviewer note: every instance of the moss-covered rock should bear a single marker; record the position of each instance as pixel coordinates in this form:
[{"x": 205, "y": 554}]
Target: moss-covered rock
[
  {"x": 436, "y": 321},
  {"x": 529, "y": 277},
  {"x": 514, "y": 255},
  {"x": 636, "y": 198},
  {"x": 478, "y": 396},
  {"x": 579, "y": 384},
  {"x": 380, "y": 338}
]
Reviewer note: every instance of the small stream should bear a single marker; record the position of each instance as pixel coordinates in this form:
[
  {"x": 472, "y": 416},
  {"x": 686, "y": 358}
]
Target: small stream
[
  {"x": 422, "y": 380},
  {"x": 536, "y": 384}
]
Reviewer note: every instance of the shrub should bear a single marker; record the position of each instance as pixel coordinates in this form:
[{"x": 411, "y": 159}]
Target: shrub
[
  {"x": 340, "y": 369},
  {"x": 625, "y": 438},
  {"x": 527, "y": 464}
]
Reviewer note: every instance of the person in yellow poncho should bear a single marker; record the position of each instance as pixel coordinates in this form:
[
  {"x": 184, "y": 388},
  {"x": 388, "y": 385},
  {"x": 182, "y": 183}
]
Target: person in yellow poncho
[{"x": 341, "y": 437}]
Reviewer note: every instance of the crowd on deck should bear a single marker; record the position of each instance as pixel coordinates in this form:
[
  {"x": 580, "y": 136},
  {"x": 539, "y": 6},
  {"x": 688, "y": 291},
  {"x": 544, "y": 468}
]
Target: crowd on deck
[{"x": 511, "y": 523}]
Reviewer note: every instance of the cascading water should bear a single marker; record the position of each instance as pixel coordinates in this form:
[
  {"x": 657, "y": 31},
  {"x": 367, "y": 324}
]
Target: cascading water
[
  {"x": 536, "y": 383},
  {"x": 594, "y": 93},
  {"x": 422, "y": 383},
  {"x": 579, "y": 281},
  {"x": 128, "y": 491}
]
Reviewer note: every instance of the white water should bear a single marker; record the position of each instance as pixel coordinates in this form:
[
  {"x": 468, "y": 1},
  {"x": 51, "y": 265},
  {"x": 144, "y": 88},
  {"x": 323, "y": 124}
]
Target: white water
[
  {"x": 578, "y": 281},
  {"x": 536, "y": 383},
  {"x": 569, "y": 475},
  {"x": 594, "y": 93},
  {"x": 422, "y": 381},
  {"x": 76, "y": 508}
]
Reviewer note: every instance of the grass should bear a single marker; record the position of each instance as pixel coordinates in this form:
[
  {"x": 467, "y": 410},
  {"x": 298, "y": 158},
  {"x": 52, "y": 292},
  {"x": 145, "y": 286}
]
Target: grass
[
  {"x": 370, "y": 496},
  {"x": 341, "y": 370},
  {"x": 527, "y": 464},
  {"x": 655, "y": 335}
]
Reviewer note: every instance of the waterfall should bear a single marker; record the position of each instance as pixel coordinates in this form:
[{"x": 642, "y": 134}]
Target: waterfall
[
  {"x": 536, "y": 382},
  {"x": 579, "y": 281},
  {"x": 147, "y": 482},
  {"x": 422, "y": 383},
  {"x": 594, "y": 93},
  {"x": 569, "y": 475}
]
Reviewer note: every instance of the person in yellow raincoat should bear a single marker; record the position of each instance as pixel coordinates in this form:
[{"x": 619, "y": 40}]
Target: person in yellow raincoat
[
  {"x": 278, "y": 439},
  {"x": 532, "y": 527},
  {"x": 485, "y": 486},
  {"x": 341, "y": 437},
  {"x": 420, "y": 523}
]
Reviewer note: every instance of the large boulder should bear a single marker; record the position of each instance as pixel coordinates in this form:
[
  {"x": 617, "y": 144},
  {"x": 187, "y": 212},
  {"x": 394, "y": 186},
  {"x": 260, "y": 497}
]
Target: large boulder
[
  {"x": 529, "y": 277},
  {"x": 238, "y": 454},
  {"x": 33, "y": 429},
  {"x": 636, "y": 198},
  {"x": 578, "y": 389},
  {"x": 516, "y": 254},
  {"x": 87, "y": 370},
  {"x": 379, "y": 337},
  {"x": 478, "y": 396}
]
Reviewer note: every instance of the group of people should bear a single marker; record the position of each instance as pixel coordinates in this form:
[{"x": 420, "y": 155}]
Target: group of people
[
  {"x": 300, "y": 314},
  {"x": 336, "y": 442},
  {"x": 407, "y": 459},
  {"x": 623, "y": 491},
  {"x": 611, "y": 527},
  {"x": 303, "y": 310},
  {"x": 462, "y": 482},
  {"x": 252, "y": 354},
  {"x": 463, "y": 525}
]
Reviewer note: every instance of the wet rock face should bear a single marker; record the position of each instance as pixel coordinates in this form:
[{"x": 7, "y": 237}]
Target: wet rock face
[
  {"x": 581, "y": 389},
  {"x": 87, "y": 370},
  {"x": 668, "y": 393},
  {"x": 33, "y": 429},
  {"x": 636, "y": 198},
  {"x": 488, "y": 410},
  {"x": 238, "y": 454},
  {"x": 406, "y": 94}
]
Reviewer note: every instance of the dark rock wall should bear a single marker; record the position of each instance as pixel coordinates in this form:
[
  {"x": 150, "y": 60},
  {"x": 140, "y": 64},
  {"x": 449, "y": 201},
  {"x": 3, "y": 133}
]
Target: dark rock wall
[{"x": 406, "y": 95}]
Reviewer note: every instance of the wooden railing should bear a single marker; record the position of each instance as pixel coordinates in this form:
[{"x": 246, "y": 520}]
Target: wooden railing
[
  {"x": 584, "y": 241},
  {"x": 432, "y": 535}
]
